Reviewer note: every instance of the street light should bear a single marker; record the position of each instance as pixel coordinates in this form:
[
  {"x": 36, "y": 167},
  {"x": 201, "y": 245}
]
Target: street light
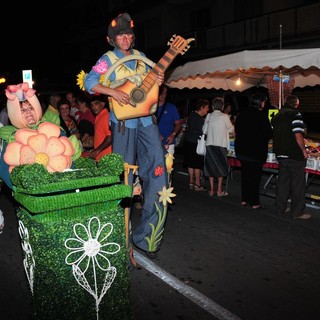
[{"x": 2, "y": 80}]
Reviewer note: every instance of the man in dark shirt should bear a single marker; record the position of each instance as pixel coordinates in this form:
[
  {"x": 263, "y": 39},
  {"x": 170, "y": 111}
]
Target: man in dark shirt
[
  {"x": 289, "y": 147},
  {"x": 168, "y": 119}
]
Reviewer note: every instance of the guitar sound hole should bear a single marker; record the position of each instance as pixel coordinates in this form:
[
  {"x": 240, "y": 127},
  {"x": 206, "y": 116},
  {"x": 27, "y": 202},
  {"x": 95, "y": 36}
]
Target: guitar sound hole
[{"x": 137, "y": 95}]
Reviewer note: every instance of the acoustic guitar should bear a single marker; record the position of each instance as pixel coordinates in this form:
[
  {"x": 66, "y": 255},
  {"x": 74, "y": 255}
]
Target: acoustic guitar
[{"x": 144, "y": 92}]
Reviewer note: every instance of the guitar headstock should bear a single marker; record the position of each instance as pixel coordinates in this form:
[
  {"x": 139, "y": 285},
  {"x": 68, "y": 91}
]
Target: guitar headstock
[{"x": 180, "y": 45}]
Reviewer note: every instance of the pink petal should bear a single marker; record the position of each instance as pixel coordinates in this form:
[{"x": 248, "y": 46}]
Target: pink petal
[
  {"x": 22, "y": 135},
  {"x": 12, "y": 154},
  {"x": 11, "y": 168},
  {"x": 49, "y": 129},
  {"x": 55, "y": 147},
  {"x": 69, "y": 147},
  {"x": 58, "y": 163},
  {"x": 27, "y": 155},
  {"x": 38, "y": 143}
]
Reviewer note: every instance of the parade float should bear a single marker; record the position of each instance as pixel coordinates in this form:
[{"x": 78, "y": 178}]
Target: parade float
[
  {"x": 73, "y": 236},
  {"x": 70, "y": 217}
]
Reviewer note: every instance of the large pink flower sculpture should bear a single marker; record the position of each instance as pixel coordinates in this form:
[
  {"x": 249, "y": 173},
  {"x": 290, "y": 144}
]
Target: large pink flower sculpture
[{"x": 44, "y": 146}]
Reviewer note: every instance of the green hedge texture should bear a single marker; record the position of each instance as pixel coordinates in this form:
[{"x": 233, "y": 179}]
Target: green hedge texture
[{"x": 57, "y": 207}]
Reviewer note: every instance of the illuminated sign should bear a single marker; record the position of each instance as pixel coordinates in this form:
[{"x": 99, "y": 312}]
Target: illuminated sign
[
  {"x": 27, "y": 77},
  {"x": 272, "y": 113}
]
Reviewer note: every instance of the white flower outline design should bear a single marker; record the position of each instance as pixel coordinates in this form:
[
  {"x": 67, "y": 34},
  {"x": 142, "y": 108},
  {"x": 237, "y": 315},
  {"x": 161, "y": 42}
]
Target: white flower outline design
[
  {"x": 28, "y": 261},
  {"x": 92, "y": 247}
]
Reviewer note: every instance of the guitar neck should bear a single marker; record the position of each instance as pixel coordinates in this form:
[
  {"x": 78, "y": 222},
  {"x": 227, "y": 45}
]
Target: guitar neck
[{"x": 162, "y": 65}]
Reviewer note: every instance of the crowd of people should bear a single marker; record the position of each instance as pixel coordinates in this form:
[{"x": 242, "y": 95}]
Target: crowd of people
[{"x": 252, "y": 132}]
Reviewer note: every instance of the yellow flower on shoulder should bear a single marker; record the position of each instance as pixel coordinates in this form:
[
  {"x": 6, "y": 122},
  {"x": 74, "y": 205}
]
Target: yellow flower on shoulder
[
  {"x": 80, "y": 79},
  {"x": 43, "y": 146},
  {"x": 81, "y": 76},
  {"x": 166, "y": 195}
]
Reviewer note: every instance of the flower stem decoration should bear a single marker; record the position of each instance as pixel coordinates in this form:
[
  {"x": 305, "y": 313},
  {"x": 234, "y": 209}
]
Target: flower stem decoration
[
  {"x": 89, "y": 253},
  {"x": 165, "y": 198},
  {"x": 166, "y": 195},
  {"x": 169, "y": 162},
  {"x": 157, "y": 231},
  {"x": 169, "y": 165}
]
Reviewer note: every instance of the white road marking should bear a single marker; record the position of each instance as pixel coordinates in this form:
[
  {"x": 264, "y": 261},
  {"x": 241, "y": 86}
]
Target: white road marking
[
  {"x": 201, "y": 300},
  {"x": 183, "y": 173}
]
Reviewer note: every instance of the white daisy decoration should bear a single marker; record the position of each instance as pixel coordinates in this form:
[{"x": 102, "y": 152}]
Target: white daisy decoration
[{"x": 89, "y": 250}]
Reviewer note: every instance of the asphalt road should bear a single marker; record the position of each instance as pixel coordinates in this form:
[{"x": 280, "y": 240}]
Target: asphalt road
[{"x": 218, "y": 260}]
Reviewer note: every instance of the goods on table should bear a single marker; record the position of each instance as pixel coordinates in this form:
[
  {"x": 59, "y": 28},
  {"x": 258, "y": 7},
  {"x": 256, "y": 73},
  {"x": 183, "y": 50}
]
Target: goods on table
[{"x": 313, "y": 147}]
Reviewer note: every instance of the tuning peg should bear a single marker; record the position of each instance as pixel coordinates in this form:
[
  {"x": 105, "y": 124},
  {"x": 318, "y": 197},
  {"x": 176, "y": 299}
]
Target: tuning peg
[
  {"x": 185, "y": 50},
  {"x": 173, "y": 37},
  {"x": 190, "y": 39}
]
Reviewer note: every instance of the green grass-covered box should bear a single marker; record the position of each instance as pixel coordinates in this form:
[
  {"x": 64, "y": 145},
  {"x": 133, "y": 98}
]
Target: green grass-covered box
[{"x": 73, "y": 236}]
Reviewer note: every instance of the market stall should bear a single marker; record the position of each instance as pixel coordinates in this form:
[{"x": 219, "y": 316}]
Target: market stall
[
  {"x": 270, "y": 170},
  {"x": 278, "y": 70}
]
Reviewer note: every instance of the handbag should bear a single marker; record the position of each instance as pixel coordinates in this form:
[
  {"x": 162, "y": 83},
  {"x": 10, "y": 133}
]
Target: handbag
[{"x": 201, "y": 146}]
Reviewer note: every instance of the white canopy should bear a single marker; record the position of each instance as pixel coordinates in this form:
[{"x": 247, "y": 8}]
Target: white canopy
[{"x": 251, "y": 67}]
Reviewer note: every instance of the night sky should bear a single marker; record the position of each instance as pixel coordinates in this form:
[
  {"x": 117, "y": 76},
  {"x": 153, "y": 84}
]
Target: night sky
[{"x": 28, "y": 34}]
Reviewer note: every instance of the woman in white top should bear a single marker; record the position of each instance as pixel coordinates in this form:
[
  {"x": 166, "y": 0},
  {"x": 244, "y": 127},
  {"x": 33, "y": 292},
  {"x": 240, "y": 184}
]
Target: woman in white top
[{"x": 218, "y": 127}]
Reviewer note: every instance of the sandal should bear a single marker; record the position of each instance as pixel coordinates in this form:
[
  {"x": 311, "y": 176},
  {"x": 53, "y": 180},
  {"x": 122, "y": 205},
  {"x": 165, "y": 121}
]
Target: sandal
[
  {"x": 199, "y": 188},
  {"x": 243, "y": 204},
  {"x": 222, "y": 194},
  {"x": 191, "y": 186},
  {"x": 258, "y": 207}
]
